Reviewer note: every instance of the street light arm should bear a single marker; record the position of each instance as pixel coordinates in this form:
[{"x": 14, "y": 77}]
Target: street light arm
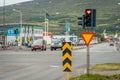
[{"x": 20, "y": 15}]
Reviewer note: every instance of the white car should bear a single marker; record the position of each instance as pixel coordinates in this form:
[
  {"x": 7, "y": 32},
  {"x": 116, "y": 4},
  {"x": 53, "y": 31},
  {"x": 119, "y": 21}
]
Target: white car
[
  {"x": 56, "y": 44},
  {"x": 111, "y": 43}
]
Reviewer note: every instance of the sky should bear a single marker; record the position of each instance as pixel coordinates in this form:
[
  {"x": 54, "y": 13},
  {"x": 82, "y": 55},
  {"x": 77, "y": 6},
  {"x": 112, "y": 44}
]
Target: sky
[{"x": 9, "y": 2}]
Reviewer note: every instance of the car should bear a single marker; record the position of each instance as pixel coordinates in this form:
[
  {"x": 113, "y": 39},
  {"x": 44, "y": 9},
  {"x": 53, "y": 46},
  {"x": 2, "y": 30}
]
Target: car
[
  {"x": 56, "y": 44},
  {"x": 118, "y": 46},
  {"x": 30, "y": 43},
  {"x": 39, "y": 44},
  {"x": 111, "y": 43},
  {"x": 0, "y": 45},
  {"x": 12, "y": 43}
]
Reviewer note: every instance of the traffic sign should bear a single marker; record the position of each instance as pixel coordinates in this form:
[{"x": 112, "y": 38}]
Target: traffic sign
[
  {"x": 87, "y": 37},
  {"x": 67, "y": 26},
  {"x": 71, "y": 38},
  {"x": 67, "y": 57}
]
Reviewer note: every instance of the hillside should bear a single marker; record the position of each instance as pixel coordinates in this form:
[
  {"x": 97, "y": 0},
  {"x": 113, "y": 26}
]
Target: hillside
[{"x": 60, "y": 11}]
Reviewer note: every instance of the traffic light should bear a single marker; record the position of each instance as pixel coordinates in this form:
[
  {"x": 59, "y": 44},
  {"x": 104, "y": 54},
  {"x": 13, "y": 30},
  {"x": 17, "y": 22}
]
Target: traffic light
[
  {"x": 94, "y": 17},
  {"x": 90, "y": 18},
  {"x": 81, "y": 21},
  {"x": 15, "y": 31}
]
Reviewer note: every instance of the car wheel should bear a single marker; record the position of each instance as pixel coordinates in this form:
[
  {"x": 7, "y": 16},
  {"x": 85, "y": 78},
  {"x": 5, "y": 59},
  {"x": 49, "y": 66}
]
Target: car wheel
[
  {"x": 45, "y": 49},
  {"x": 55, "y": 48},
  {"x": 51, "y": 49}
]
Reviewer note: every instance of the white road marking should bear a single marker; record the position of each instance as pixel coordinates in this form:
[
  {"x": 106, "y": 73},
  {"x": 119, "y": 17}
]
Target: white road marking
[{"x": 54, "y": 66}]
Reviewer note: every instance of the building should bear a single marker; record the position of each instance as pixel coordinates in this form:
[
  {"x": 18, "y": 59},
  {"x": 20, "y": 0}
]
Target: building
[
  {"x": 3, "y": 33},
  {"x": 68, "y": 38},
  {"x": 23, "y": 34}
]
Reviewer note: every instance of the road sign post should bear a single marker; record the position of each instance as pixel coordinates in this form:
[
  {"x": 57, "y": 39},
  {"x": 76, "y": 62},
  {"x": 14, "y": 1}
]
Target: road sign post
[
  {"x": 87, "y": 37},
  {"x": 88, "y": 60},
  {"x": 88, "y": 21},
  {"x": 67, "y": 58},
  {"x": 67, "y": 75}
]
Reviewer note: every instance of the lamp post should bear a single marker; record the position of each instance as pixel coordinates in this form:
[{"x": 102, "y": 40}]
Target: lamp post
[
  {"x": 20, "y": 15},
  {"x": 3, "y": 13},
  {"x": 4, "y": 37},
  {"x": 20, "y": 12}
]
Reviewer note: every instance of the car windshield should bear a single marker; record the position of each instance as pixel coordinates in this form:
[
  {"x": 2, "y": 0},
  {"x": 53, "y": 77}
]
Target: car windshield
[
  {"x": 31, "y": 42},
  {"x": 37, "y": 42},
  {"x": 56, "y": 41}
]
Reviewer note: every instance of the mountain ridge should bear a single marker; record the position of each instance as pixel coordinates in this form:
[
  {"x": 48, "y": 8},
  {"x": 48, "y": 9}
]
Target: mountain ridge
[{"x": 62, "y": 11}]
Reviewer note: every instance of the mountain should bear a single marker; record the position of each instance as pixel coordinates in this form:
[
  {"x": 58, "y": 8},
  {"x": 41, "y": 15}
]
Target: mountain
[{"x": 61, "y": 11}]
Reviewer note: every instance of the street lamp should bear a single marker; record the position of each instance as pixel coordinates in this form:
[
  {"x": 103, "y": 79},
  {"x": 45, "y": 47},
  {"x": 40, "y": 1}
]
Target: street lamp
[
  {"x": 4, "y": 39},
  {"x": 20, "y": 12}
]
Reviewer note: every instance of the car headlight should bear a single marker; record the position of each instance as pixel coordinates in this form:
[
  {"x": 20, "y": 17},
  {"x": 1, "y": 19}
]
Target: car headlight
[
  {"x": 52, "y": 44},
  {"x": 60, "y": 44}
]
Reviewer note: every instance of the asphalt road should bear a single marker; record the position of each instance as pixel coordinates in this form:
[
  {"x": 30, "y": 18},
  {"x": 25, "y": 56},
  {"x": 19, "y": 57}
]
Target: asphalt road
[{"x": 46, "y": 65}]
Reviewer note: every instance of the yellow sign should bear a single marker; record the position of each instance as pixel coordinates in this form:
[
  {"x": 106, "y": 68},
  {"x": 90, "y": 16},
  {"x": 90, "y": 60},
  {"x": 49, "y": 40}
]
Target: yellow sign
[
  {"x": 67, "y": 67},
  {"x": 67, "y": 56},
  {"x": 66, "y": 45},
  {"x": 20, "y": 39},
  {"x": 87, "y": 37}
]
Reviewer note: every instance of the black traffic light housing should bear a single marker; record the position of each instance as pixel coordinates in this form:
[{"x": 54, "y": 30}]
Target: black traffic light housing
[
  {"x": 90, "y": 17},
  {"x": 81, "y": 20},
  {"x": 15, "y": 31}
]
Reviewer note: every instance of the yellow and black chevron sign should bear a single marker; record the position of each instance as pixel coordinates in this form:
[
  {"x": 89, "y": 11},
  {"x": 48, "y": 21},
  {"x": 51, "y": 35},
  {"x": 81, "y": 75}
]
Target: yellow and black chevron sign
[{"x": 67, "y": 57}]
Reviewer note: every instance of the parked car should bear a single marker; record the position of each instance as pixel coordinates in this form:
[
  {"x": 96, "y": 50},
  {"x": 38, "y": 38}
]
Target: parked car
[
  {"x": 2, "y": 46},
  {"x": 38, "y": 44},
  {"x": 30, "y": 44},
  {"x": 56, "y": 44},
  {"x": 118, "y": 46},
  {"x": 111, "y": 43},
  {"x": 12, "y": 43}
]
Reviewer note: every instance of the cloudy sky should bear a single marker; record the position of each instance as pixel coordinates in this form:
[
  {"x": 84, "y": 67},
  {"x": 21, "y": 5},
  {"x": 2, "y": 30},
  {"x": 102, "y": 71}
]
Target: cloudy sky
[{"x": 8, "y": 2}]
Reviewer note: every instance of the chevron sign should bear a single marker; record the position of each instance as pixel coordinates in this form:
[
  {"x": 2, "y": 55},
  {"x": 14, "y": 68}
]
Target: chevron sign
[{"x": 67, "y": 57}]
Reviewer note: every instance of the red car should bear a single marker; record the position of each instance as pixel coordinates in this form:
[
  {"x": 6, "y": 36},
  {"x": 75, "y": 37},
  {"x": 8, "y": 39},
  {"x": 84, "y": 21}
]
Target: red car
[{"x": 38, "y": 44}]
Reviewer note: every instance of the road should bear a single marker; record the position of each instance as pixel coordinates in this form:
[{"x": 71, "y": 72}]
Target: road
[{"x": 46, "y": 65}]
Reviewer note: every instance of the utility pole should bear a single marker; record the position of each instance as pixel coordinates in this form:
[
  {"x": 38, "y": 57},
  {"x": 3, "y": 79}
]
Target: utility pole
[
  {"x": 4, "y": 37},
  {"x": 20, "y": 12}
]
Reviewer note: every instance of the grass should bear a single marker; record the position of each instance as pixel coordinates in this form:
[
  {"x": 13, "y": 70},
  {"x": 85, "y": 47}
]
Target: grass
[
  {"x": 95, "y": 77},
  {"x": 101, "y": 67},
  {"x": 107, "y": 66}
]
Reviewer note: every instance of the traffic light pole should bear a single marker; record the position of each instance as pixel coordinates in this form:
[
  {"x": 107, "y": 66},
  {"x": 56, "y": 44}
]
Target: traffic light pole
[
  {"x": 88, "y": 21},
  {"x": 88, "y": 59},
  {"x": 16, "y": 39}
]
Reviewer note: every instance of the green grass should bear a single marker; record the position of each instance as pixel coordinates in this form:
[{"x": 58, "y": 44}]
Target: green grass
[
  {"x": 107, "y": 66},
  {"x": 101, "y": 67},
  {"x": 95, "y": 77}
]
